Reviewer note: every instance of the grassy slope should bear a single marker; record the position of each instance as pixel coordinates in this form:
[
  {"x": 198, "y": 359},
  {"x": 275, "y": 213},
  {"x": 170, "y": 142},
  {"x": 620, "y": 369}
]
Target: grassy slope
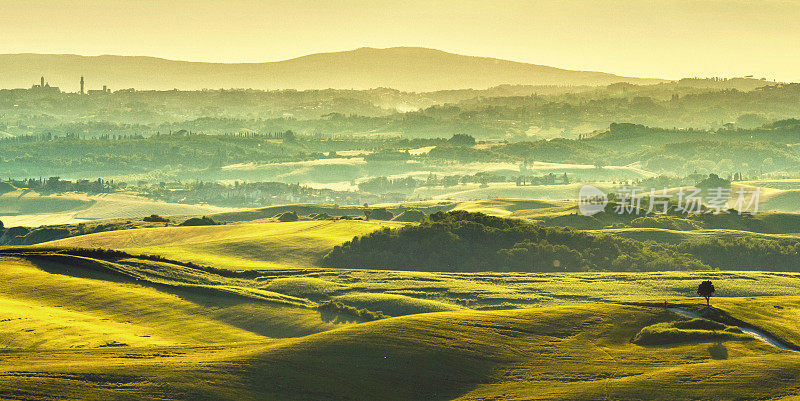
[
  {"x": 236, "y": 246},
  {"x": 300, "y": 244},
  {"x": 678, "y": 236},
  {"x": 332, "y": 210},
  {"x": 776, "y": 315},
  {"x": 520, "y": 354},
  {"x": 205, "y": 345},
  {"x": 71, "y": 330},
  {"x": 512, "y": 207},
  {"x": 46, "y": 310},
  {"x": 550, "y": 353},
  {"x": 466, "y": 192},
  {"x": 51, "y": 303},
  {"x": 579, "y": 352},
  {"x": 25, "y": 208},
  {"x": 574, "y": 352}
]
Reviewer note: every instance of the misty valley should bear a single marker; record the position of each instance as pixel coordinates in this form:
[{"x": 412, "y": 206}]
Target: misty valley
[{"x": 399, "y": 222}]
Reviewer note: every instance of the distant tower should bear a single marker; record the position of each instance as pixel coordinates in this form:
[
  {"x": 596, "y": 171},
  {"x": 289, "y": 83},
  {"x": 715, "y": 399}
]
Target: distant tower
[
  {"x": 81, "y": 85},
  {"x": 42, "y": 82}
]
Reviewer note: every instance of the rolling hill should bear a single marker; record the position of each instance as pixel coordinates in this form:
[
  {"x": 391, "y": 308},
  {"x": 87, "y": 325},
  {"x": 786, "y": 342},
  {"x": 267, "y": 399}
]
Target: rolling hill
[
  {"x": 403, "y": 68},
  {"x": 113, "y": 326},
  {"x": 298, "y": 244},
  {"x": 111, "y": 340},
  {"x": 31, "y": 209}
]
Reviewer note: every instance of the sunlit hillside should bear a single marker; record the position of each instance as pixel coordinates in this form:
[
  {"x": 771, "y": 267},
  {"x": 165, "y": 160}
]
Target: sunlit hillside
[
  {"x": 434, "y": 201},
  {"x": 113, "y": 337},
  {"x": 235, "y": 246},
  {"x": 32, "y": 209}
]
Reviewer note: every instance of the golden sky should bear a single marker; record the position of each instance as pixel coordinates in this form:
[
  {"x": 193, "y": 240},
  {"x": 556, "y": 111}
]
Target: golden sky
[{"x": 653, "y": 38}]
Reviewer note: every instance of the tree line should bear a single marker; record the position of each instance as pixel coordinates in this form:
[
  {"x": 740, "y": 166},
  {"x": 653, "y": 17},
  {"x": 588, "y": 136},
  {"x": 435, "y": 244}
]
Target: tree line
[{"x": 461, "y": 241}]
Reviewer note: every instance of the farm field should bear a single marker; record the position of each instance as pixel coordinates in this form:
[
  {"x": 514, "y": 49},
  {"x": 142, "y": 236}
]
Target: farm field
[
  {"x": 344, "y": 169},
  {"x": 25, "y": 208},
  {"x": 468, "y": 192},
  {"x": 235, "y": 246},
  {"x": 121, "y": 327},
  {"x": 574, "y": 206},
  {"x": 244, "y": 311}
]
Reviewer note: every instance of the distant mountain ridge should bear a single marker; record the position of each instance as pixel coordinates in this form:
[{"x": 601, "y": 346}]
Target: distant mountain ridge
[{"x": 404, "y": 68}]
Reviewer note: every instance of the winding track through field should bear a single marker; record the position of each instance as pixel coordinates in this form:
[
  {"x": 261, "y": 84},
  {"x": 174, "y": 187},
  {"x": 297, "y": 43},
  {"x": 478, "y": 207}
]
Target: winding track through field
[{"x": 757, "y": 334}]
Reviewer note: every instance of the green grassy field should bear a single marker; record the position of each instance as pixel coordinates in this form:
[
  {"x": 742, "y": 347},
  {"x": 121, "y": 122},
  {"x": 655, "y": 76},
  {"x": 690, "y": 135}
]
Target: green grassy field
[
  {"x": 25, "y": 208},
  {"x": 243, "y": 323},
  {"x": 88, "y": 329},
  {"x": 298, "y": 246},
  {"x": 775, "y": 315},
  {"x": 677, "y": 236},
  {"x": 235, "y": 246},
  {"x": 467, "y": 192}
]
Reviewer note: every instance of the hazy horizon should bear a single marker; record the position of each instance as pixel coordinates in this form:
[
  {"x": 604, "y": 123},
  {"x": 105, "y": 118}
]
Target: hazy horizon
[
  {"x": 754, "y": 75},
  {"x": 663, "y": 39}
]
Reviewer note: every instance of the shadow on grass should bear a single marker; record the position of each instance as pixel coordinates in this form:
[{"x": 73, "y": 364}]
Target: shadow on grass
[
  {"x": 255, "y": 315},
  {"x": 718, "y": 351}
]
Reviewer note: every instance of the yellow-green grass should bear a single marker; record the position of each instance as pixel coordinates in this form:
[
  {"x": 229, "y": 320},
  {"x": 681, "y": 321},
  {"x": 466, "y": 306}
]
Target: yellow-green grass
[
  {"x": 494, "y": 290},
  {"x": 207, "y": 345},
  {"x": 306, "y": 287},
  {"x": 47, "y": 304},
  {"x": 306, "y": 209},
  {"x": 453, "y": 290},
  {"x": 569, "y": 352},
  {"x": 394, "y": 304},
  {"x": 26, "y": 208},
  {"x": 785, "y": 184},
  {"x": 678, "y": 236},
  {"x": 127, "y": 373},
  {"x": 787, "y": 201},
  {"x": 298, "y": 244},
  {"x": 466, "y": 192},
  {"x": 521, "y": 290},
  {"x": 778, "y": 316},
  {"x": 513, "y": 207},
  {"x": 46, "y": 310},
  {"x": 775, "y": 195},
  {"x": 28, "y": 202},
  {"x": 497, "y": 207},
  {"x": 574, "y": 352}
]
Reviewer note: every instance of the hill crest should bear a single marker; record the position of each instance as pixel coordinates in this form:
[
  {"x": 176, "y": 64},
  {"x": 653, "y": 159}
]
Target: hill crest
[{"x": 403, "y": 68}]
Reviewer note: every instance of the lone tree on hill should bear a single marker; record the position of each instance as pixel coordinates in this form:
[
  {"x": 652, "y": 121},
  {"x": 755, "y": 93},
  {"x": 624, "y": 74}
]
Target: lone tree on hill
[{"x": 705, "y": 289}]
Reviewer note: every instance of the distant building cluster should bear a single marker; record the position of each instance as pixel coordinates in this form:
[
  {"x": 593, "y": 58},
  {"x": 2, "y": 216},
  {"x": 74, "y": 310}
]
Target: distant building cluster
[
  {"x": 99, "y": 91},
  {"x": 46, "y": 88}
]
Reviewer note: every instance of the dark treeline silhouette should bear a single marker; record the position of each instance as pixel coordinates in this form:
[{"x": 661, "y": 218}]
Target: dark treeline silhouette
[{"x": 463, "y": 241}]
